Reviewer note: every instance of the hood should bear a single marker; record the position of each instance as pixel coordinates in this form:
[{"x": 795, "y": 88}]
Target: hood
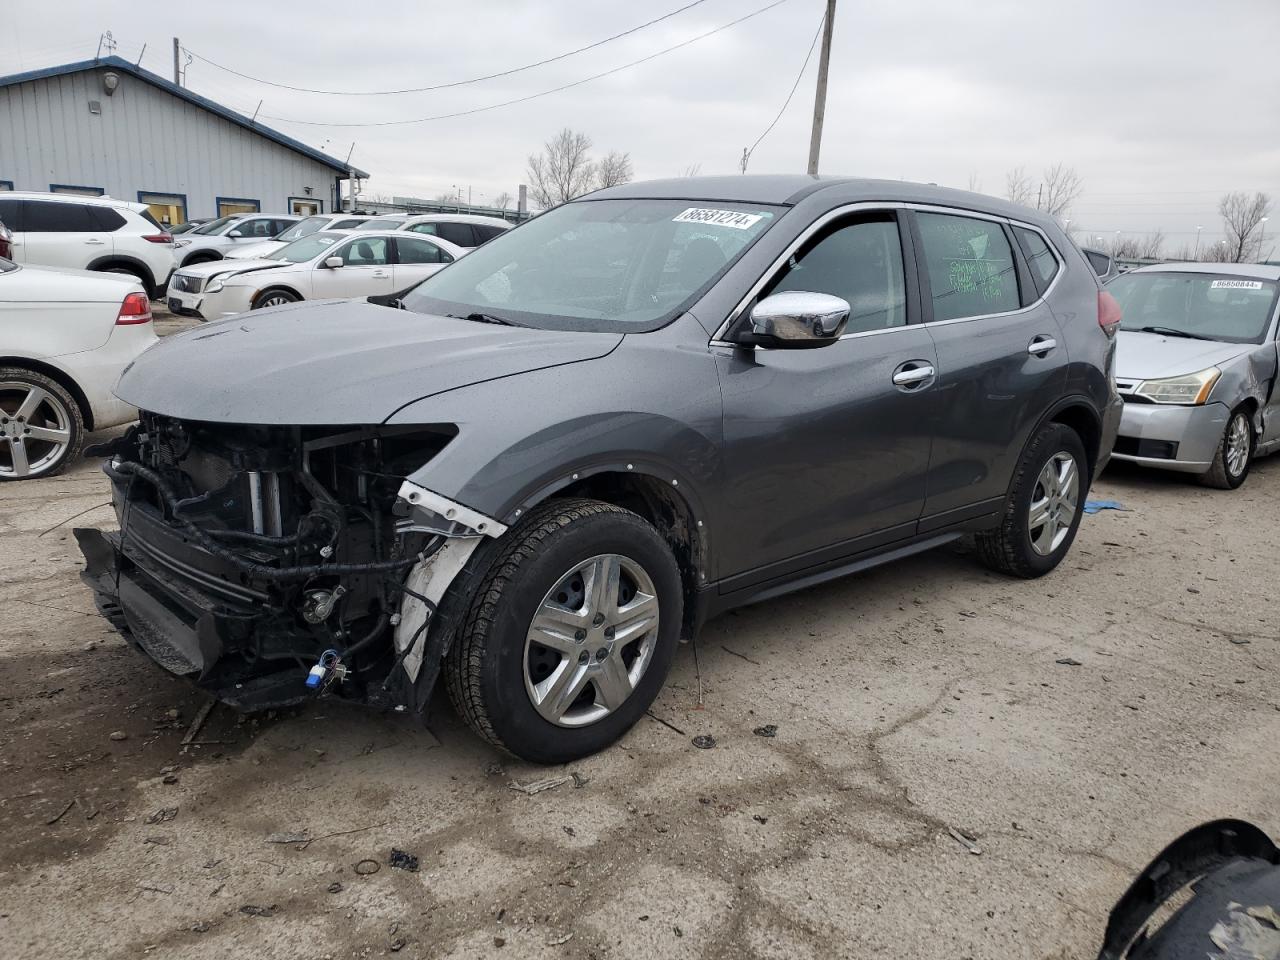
[
  {"x": 1151, "y": 356},
  {"x": 251, "y": 251},
  {"x": 216, "y": 268},
  {"x": 335, "y": 362}
]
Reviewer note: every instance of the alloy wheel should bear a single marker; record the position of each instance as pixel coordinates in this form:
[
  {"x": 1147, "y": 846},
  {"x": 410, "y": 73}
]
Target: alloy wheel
[
  {"x": 591, "y": 640},
  {"x": 275, "y": 300},
  {"x": 1236, "y": 455},
  {"x": 1054, "y": 503},
  {"x": 35, "y": 429}
]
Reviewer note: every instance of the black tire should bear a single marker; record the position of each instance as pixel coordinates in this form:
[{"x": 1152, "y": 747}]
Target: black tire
[
  {"x": 485, "y": 669},
  {"x": 58, "y": 399},
  {"x": 277, "y": 295},
  {"x": 195, "y": 258},
  {"x": 1008, "y": 548},
  {"x": 132, "y": 272},
  {"x": 1220, "y": 474}
]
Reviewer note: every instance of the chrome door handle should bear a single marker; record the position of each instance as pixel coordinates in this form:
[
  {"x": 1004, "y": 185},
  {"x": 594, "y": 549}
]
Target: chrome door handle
[
  {"x": 96, "y": 242},
  {"x": 379, "y": 273},
  {"x": 913, "y": 375},
  {"x": 1041, "y": 345}
]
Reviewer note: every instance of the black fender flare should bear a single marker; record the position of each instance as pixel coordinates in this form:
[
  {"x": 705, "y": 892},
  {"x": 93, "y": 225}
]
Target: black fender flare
[{"x": 107, "y": 261}]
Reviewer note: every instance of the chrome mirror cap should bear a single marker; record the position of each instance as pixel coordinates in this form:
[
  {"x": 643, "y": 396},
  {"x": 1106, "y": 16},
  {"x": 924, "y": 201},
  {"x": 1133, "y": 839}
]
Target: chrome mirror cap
[{"x": 799, "y": 318}]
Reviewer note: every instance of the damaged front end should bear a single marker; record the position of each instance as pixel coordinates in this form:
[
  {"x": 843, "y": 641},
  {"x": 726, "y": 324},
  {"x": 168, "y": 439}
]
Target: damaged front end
[{"x": 270, "y": 564}]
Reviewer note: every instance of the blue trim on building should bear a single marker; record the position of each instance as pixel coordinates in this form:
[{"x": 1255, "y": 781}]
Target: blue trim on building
[
  {"x": 318, "y": 201},
  {"x": 55, "y": 187},
  {"x": 166, "y": 193},
  {"x": 124, "y": 66},
  {"x": 219, "y": 201}
]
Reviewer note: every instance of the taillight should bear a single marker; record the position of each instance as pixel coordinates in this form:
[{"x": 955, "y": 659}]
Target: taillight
[
  {"x": 1108, "y": 313},
  {"x": 158, "y": 237},
  {"x": 135, "y": 309}
]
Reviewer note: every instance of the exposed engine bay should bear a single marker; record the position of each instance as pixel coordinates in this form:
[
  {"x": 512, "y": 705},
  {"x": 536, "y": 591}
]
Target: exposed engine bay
[{"x": 273, "y": 563}]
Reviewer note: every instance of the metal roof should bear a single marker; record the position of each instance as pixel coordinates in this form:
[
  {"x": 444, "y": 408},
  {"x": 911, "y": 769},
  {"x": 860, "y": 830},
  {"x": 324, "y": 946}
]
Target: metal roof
[{"x": 124, "y": 66}]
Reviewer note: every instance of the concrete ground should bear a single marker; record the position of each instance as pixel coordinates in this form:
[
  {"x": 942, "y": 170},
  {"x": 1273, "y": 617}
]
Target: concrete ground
[{"x": 911, "y": 703}]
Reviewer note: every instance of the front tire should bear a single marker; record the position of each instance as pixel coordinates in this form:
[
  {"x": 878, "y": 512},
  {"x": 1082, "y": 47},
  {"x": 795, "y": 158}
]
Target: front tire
[
  {"x": 571, "y": 632},
  {"x": 41, "y": 425},
  {"x": 1043, "y": 510},
  {"x": 1234, "y": 456},
  {"x": 274, "y": 298}
]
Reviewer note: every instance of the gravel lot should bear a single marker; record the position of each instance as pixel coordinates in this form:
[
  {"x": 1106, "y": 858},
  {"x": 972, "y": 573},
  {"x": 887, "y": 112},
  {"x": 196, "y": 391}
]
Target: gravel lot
[{"x": 909, "y": 702}]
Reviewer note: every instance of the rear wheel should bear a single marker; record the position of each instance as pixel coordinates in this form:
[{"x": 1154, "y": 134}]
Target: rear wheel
[
  {"x": 1234, "y": 455},
  {"x": 131, "y": 272},
  {"x": 41, "y": 425},
  {"x": 274, "y": 298},
  {"x": 1043, "y": 510},
  {"x": 571, "y": 633}
]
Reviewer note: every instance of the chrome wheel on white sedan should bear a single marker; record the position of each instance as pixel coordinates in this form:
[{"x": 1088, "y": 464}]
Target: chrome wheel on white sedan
[{"x": 40, "y": 425}]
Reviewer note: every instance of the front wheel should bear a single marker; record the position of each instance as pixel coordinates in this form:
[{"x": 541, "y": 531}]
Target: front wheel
[
  {"x": 571, "y": 633},
  {"x": 41, "y": 426},
  {"x": 1234, "y": 454},
  {"x": 274, "y": 298},
  {"x": 1043, "y": 509}
]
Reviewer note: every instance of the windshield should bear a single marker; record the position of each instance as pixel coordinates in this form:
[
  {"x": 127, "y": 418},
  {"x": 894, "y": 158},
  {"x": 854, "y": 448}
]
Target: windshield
[
  {"x": 622, "y": 266},
  {"x": 1205, "y": 306},
  {"x": 303, "y": 228},
  {"x": 213, "y": 226},
  {"x": 308, "y": 248}
]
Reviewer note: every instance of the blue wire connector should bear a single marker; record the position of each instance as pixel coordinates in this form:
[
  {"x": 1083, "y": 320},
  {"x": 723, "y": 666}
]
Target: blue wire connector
[{"x": 323, "y": 670}]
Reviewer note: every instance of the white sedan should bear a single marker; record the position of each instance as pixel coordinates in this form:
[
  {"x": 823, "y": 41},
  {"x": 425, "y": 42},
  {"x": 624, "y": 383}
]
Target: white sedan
[
  {"x": 303, "y": 228},
  {"x": 66, "y": 335},
  {"x": 332, "y": 263}
]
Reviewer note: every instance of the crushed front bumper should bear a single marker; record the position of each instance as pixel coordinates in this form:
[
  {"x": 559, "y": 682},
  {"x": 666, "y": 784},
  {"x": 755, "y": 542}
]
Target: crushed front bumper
[{"x": 182, "y": 629}]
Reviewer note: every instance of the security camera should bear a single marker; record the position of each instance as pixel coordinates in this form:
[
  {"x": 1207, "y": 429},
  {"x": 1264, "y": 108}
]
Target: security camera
[{"x": 109, "y": 83}]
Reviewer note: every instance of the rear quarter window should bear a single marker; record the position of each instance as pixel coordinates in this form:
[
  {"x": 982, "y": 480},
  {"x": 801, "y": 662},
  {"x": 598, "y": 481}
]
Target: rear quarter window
[
  {"x": 1040, "y": 257},
  {"x": 111, "y": 220}
]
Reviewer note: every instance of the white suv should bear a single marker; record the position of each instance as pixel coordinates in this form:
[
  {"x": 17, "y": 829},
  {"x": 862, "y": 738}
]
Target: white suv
[
  {"x": 89, "y": 233},
  {"x": 215, "y": 239},
  {"x": 303, "y": 228}
]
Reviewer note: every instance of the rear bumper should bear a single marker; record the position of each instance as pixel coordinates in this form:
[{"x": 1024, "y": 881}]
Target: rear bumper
[
  {"x": 184, "y": 630},
  {"x": 1183, "y": 439}
]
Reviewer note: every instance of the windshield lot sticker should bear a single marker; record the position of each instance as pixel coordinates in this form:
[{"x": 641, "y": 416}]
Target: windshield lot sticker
[
  {"x": 719, "y": 218},
  {"x": 1236, "y": 285}
]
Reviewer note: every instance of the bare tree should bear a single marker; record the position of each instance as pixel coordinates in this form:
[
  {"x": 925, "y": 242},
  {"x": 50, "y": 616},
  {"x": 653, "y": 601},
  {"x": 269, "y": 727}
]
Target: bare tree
[
  {"x": 1151, "y": 245},
  {"x": 1017, "y": 186},
  {"x": 563, "y": 170},
  {"x": 502, "y": 200},
  {"x": 975, "y": 185},
  {"x": 1060, "y": 188},
  {"x": 1242, "y": 217},
  {"x": 692, "y": 170},
  {"x": 1184, "y": 254},
  {"x": 614, "y": 169}
]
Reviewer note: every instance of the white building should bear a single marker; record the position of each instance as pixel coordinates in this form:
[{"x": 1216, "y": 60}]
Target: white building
[{"x": 107, "y": 127}]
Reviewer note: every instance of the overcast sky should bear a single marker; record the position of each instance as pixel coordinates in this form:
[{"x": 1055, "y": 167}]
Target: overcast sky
[{"x": 1160, "y": 105}]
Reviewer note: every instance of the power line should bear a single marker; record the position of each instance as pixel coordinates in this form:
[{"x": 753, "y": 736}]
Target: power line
[
  {"x": 532, "y": 96},
  {"x": 455, "y": 83},
  {"x": 807, "y": 57}
]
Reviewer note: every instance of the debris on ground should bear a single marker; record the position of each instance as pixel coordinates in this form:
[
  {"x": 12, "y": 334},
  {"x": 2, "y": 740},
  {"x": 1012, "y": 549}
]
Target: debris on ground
[
  {"x": 163, "y": 815},
  {"x": 1069, "y": 662},
  {"x": 768, "y": 730},
  {"x": 759, "y": 819},
  {"x": 200, "y": 926},
  {"x": 499, "y": 942},
  {"x": 367, "y": 867},
  {"x": 61, "y": 813},
  {"x": 537, "y": 786},
  {"x": 560, "y": 941},
  {"x": 704, "y": 741},
  {"x": 579, "y": 781},
  {"x": 959, "y": 837},
  {"x": 118, "y": 735},
  {"x": 252, "y": 910},
  {"x": 170, "y": 779},
  {"x": 289, "y": 838},
  {"x": 400, "y": 860},
  {"x": 397, "y": 945},
  {"x": 494, "y": 769},
  {"x": 335, "y": 887},
  {"x": 197, "y": 723},
  {"x": 1093, "y": 506}
]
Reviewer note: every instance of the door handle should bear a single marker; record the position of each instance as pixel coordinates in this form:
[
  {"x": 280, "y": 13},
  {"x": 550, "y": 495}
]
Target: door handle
[
  {"x": 1041, "y": 345},
  {"x": 95, "y": 241},
  {"x": 379, "y": 273},
  {"x": 912, "y": 373}
]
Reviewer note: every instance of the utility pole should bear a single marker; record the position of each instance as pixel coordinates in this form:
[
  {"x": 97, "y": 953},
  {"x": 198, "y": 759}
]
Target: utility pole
[
  {"x": 820, "y": 95},
  {"x": 177, "y": 70}
]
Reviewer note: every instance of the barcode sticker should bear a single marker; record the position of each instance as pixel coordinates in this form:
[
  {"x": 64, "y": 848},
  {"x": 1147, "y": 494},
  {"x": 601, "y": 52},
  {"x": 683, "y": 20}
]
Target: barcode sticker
[
  {"x": 719, "y": 218},
  {"x": 1236, "y": 285}
]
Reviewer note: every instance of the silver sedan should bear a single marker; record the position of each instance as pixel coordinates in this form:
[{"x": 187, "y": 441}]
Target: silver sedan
[{"x": 1196, "y": 365}]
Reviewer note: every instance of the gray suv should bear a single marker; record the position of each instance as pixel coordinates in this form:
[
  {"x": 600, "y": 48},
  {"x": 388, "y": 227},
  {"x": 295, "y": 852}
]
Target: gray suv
[{"x": 538, "y": 470}]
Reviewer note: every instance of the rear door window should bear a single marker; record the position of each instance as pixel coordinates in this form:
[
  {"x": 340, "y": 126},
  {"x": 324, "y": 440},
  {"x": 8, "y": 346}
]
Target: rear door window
[
  {"x": 419, "y": 250},
  {"x": 969, "y": 265},
  {"x": 1040, "y": 258},
  {"x": 459, "y": 233},
  {"x": 47, "y": 216}
]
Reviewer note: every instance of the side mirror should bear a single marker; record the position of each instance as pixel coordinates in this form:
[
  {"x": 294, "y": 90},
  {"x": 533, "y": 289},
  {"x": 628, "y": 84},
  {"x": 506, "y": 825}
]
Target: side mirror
[
  {"x": 236, "y": 235},
  {"x": 797, "y": 319},
  {"x": 333, "y": 263}
]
